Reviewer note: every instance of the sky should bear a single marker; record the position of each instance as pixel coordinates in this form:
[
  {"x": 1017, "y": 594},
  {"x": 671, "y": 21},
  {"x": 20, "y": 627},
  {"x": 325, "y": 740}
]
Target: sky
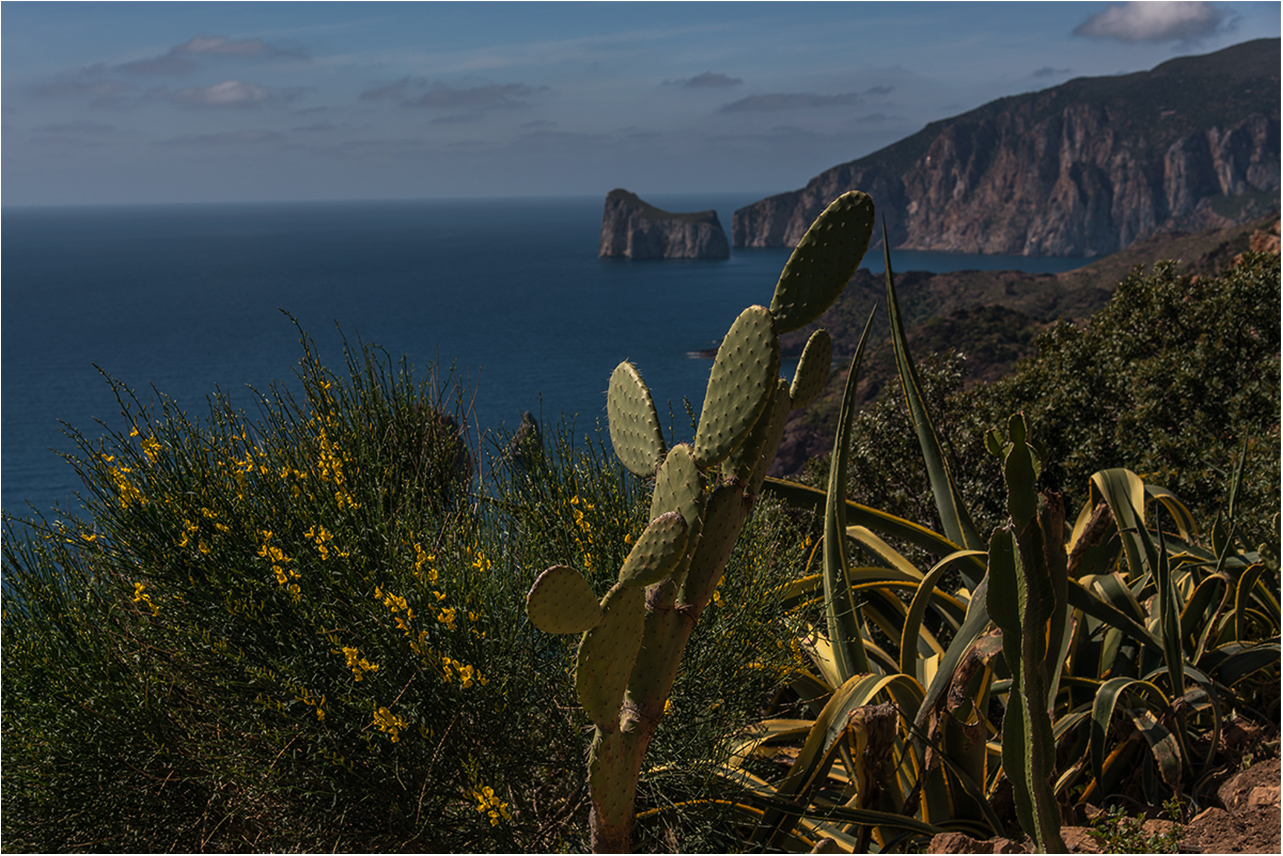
[{"x": 123, "y": 103}]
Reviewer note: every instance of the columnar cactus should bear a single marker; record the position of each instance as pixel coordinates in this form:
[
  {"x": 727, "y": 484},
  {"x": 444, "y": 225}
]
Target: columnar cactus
[{"x": 634, "y": 637}]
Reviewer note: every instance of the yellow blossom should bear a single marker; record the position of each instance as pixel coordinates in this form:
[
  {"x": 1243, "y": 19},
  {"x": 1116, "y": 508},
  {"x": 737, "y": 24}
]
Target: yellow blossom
[
  {"x": 358, "y": 664},
  {"x": 389, "y": 724},
  {"x": 141, "y": 596}
]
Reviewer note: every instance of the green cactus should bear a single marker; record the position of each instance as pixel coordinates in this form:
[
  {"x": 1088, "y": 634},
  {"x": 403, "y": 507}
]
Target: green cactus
[
  {"x": 634, "y": 423},
  {"x": 561, "y": 601},
  {"x": 657, "y": 551},
  {"x": 607, "y": 653},
  {"x": 633, "y": 641},
  {"x": 812, "y": 369},
  {"x": 1026, "y": 600},
  {"x": 739, "y": 387}
]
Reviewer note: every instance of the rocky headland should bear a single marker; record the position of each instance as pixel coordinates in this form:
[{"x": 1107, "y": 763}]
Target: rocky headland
[
  {"x": 634, "y": 229},
  {"x": 1081, "y": 169}
]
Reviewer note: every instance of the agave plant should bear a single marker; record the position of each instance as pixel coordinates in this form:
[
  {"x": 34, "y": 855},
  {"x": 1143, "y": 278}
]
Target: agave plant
[{"x": 1114, "y": 649}]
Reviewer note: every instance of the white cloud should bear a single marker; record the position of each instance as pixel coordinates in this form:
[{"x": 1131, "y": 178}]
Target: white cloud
[
  {"x": 229, "y": 93},
  {"x": 1153, "y": 22},
  {"x": 221, "y": 45}
]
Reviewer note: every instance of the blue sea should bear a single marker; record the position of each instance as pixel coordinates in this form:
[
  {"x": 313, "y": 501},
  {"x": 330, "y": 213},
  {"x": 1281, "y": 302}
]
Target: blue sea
[{"x": 188, "y": 299}]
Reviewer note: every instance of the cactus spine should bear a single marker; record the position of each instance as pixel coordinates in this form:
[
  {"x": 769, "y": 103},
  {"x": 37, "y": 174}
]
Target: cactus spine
[{"x": 633, "y": 642}]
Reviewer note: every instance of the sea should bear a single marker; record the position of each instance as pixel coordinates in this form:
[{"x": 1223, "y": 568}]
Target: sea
[{"x": 508, "y": 294}]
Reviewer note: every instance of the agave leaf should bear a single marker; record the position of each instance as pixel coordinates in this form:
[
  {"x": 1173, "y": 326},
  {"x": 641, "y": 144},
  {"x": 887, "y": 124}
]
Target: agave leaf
[
  {"x": 1125, "y": 493},
  {"x": 871, "y": 542},
  {"x": 918, "y": 607},
  {"x": 1091, "y": 603},
  {"x": 1168, "y": 619},
  {"x": 1232, "y": 662},
  {"x": 815, "y": 757},
  {"x": 975, "y": 624},
  {"x": 1163, "y": 745},
  {"x": 1185, "y": 523},
  {"x": 1201, "y": 611},
  {"x": 1103, "y": 712},
  {"x": 888, "y": 525},
  {"x": 954, "y": 516},
  {"x": 839, "y": 608},
  {"x": 1242, "y": 600}
]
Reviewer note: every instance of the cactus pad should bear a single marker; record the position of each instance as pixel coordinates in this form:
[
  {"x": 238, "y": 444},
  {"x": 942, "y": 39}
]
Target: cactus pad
[
  {"x": 656, "y": 552},
  {"x": 723, "y": 520},
  {"x": 740, "y": 385},
  {"x": 812, "y": 369},
  {"x": 678, "y": 486},
  {"x": 607, "y": 653},
  {"x": 634, "y": 423},
  {"x": 760, "y": 448},
  {"x": 823, "y": 262},
  {"x": 561, "y": 601}
]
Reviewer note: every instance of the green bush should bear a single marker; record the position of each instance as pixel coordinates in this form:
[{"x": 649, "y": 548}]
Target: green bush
[
  {"x": 306, "y": 631},
  {"x": 1168, "y": 379}
]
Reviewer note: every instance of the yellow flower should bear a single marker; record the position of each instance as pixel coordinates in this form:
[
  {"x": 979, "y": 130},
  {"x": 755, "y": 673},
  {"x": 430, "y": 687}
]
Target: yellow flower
[
  {"x": 490, "y": 805},
  {"x": 358, "y": 664},
  {"x": 389, "y": 724},
  {"x": 141, "y": 596},
  {"x": 151, "y": 448}
]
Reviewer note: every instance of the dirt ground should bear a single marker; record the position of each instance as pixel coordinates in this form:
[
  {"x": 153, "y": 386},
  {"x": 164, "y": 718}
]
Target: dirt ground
[{"x": 1249, "y": 822}]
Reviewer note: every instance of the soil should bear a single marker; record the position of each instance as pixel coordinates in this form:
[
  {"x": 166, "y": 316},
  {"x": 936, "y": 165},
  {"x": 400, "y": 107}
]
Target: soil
[{"x": 1247, "y": 821}]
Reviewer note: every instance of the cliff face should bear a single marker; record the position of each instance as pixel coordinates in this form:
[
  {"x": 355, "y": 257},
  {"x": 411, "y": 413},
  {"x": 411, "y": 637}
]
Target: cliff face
[
  {"x": 631, "y": 228},
  {"x": 1081, "y": 169}
]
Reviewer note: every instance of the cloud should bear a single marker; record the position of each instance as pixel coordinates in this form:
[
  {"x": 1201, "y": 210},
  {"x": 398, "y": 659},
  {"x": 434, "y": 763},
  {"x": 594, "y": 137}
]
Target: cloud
[
  {"x": 1153, "y": 22},
  {"x": 415, "y": 93},
  {"x": 205, "y": 45},
  {"x": 391, "y": 92},
  {"x": 230, "y": 93},
  {"x": 168, "y": 65},
  {"x": 707, "y": 80},
  {"x": 494, "y": 95},
  {"x": 789, "y": 101},
  {"x": 177, "y": 62},
  {"x": 319, "y": 126},
  {"x": 225, "y": 138},
  {"x": 874, "y": 118},
  {"x": 102, "y": 89},
  {"x": 879, "y": 90},
  {"x": 1048, "y": 71},
  {"x": 78, "y": 127},
  {"x": 458, "y": 119}
]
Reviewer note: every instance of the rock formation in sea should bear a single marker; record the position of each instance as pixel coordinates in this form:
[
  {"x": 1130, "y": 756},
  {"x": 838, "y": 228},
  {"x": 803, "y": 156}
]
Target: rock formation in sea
[
  {"x": 634, "y": 229},
  {"x": 1082, "y": 169}
]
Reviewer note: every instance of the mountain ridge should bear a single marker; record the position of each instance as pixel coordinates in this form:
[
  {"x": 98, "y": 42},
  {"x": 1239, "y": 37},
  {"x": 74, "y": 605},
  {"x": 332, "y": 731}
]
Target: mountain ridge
[{"x": 1084, "y": 168}]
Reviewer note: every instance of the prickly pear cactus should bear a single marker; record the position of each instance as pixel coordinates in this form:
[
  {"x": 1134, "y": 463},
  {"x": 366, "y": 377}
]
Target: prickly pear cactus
[{"x": 634, "y": 637}]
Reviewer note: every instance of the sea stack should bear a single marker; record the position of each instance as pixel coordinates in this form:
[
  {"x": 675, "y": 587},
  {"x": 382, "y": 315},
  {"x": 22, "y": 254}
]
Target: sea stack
[{"x": 634, "y": 229}]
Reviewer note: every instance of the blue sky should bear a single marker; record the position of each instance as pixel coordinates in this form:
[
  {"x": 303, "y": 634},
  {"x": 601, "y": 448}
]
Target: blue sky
[{"x": 216, "y": 102}]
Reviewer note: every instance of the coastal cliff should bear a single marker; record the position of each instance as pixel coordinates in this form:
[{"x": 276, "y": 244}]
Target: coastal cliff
[
  {"x": 634, "y": 229},
  {"x": 1081, "y": 169}
]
